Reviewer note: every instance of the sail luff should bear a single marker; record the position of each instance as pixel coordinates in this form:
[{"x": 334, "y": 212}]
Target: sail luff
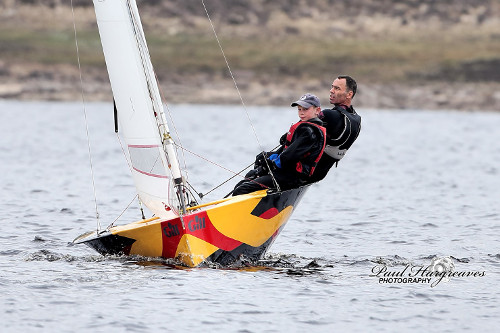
[
  {"x": 139, "y": 105},
  {"x": 154, "y": 92},
  {"x": 170, "y": 158}
]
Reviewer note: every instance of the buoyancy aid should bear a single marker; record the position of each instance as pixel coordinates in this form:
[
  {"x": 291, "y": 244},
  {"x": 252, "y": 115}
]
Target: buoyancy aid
[
  {"x": 337, "y": 144},
  {"x": 308, "y": 162}
]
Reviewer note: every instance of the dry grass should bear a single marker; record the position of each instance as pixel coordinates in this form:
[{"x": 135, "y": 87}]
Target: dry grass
[{"x": 373, "y": 49}]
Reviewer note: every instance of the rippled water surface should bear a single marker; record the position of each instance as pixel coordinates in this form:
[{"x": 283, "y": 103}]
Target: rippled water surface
[{"x": 415, "y": 186}]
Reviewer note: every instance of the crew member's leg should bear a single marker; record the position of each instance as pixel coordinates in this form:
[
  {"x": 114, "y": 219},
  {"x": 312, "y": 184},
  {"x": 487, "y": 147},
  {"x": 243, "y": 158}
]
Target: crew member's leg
[
  {"x": 252, "y": 174},
  {"x": 259, "y": 183}
]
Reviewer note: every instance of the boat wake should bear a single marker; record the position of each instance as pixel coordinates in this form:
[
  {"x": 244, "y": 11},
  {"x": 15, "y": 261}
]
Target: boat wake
[
  {"x": 278, "y": 263},
  {"x": 289, "y": 263}
]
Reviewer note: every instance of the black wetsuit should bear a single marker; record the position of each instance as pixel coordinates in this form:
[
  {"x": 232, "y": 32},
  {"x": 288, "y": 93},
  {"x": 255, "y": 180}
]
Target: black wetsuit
[
  {"x": 306, "y": 144},
  {"x": 343, "y": 125}
]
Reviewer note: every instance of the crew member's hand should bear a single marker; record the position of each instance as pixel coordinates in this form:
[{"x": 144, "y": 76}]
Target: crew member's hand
[
  {"x": 260, "y": 159},
  {"x": 275, "y": 159}
]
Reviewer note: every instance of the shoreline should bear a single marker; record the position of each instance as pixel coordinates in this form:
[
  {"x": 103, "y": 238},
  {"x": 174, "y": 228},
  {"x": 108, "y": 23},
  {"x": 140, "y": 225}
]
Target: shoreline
[{"x": 51, "y": 84}]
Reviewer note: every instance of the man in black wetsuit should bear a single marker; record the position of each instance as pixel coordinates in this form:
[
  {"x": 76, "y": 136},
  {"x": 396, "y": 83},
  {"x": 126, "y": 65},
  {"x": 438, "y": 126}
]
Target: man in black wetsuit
[
  {"x": 294, "y": 162},
  {"x": 342, "y": 124}
]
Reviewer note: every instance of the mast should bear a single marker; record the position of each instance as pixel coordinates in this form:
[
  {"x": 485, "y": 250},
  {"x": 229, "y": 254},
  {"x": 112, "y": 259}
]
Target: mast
[{"x": 140, "y": 109}]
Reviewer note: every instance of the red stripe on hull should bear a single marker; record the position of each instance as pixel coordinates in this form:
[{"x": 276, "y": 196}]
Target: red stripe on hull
[
  {"x": 269, "y": 214},
  {"x": 199, "y": 225},
  {"x": 171, "y": 235}
]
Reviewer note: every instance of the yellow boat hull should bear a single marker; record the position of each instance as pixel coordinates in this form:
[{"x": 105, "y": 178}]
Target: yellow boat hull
[{"x": 219, "y": 232}]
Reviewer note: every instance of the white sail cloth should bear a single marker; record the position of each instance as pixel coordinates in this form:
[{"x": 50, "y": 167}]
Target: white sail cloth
[{"x": 137, "y": 98}]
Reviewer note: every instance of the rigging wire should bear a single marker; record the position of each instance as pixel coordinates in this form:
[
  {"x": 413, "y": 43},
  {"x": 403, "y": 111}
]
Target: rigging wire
[
  {"x": 239, "y": 93},
  {"x": 201, "y": 195},
  {"x": 237, "y": 174},
  {"x": 177, "y": 135},
  {"x": 86, "y": 120},
  {"x": 123, "y": 212},
  {"x": 206, "y": 159}
]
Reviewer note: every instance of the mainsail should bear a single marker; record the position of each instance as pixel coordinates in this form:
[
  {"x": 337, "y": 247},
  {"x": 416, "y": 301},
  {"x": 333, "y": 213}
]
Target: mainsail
[{"x": 153, "y": 159}]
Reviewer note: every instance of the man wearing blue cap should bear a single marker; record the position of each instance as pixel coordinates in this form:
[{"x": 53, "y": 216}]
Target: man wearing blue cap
[{"x": 293, "y": 164}]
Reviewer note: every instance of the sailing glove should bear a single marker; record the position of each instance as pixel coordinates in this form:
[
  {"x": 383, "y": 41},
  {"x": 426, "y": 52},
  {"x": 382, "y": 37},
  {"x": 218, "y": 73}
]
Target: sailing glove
[
  {"x": 275, "y": 159},
  {"x": 260, "y": 159}
]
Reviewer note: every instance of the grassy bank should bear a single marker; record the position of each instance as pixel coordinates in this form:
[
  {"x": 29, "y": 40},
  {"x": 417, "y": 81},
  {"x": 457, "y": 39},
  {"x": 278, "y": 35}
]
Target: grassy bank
[
  {"x": 304, "y": 53},
  {"x": 395, "y": 58}
]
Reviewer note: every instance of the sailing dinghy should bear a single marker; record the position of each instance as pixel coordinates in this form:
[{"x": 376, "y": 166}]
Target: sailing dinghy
[{"x": 221, "y": 231}]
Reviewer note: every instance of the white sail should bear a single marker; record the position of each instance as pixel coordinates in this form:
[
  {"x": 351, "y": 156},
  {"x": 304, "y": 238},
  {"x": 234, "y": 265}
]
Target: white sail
[{"x": 138, "y": 101}]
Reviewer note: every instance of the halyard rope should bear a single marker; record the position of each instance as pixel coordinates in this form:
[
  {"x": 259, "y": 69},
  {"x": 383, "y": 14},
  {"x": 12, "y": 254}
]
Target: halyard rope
[
  {"x": 239, "y": 93},
  {"x": 86, "y": 121}
]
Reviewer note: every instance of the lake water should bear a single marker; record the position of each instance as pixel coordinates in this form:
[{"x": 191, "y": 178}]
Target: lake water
[{"x": 415, "y": 186}]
